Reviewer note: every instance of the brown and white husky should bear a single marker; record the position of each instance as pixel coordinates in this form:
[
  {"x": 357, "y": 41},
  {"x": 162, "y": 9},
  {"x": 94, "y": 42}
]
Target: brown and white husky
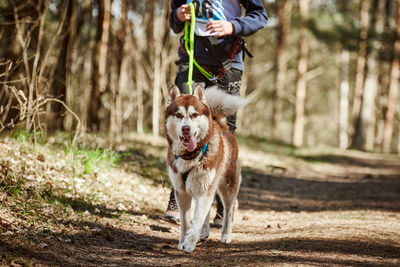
[{"x": 202, "y": 159}]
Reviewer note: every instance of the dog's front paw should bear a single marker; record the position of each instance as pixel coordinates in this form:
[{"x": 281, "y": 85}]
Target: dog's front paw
[
  {"x": 205, "y": 231},
  {"x": 204, "y": 236},
  {"x": 226, "y": 239},
  {"x": 190, "y": 242},
  {"x": 180, "y": 246}
]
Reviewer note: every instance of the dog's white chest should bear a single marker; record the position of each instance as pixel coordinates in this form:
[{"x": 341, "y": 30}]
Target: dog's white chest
[
  {"x": 196, "y": 182},
  {"x": 199, "y": 181}
]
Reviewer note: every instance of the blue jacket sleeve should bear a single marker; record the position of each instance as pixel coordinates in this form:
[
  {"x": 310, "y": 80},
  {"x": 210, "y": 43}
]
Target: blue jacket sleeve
[
  {"x": 175, "y": 24},
  {"x": 256, "y": 18}
]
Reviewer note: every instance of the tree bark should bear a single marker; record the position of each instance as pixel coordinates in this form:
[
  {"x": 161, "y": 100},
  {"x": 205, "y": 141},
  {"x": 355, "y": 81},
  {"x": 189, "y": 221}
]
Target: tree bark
[
  {"x": 99, "y": 77},
  {"x": 365, "y": 128},
  {"x": 301, "y": 83},
  {"x": 344, "y": 88},
  {"x": 10, "y": 51},
  {"x": 361, "y": 63},
  {"x": 137, "y": 46},
  {"x": 59, "y": 87},
  {"x": 139, "y": 97},
  {"x": 116, "y": 115},
  {"x": 344, "y": 98},
  {"x": 393, "y": 87},
  {"x": 73, "y": 31},
  {"x": 157, "y": 35},
  {"x": 284, "y": 10}
]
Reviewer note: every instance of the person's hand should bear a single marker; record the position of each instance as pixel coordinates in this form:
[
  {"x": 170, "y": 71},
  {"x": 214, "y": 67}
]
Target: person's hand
[
  {"x": 220, "y": 28},
  {"x": 183, "y": 13}
]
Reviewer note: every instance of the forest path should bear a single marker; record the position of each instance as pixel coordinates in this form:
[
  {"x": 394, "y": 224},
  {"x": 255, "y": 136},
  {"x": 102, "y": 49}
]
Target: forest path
[{"x": 314, "y": 208}]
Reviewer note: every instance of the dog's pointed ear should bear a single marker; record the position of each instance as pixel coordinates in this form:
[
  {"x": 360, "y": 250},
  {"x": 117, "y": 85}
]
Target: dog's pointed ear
[
  {"x": 174, "y": 93},
  {"x": 199, "y": 93}
]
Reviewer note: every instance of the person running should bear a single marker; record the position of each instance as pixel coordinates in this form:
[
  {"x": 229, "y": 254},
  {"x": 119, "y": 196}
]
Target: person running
[{"x": 219, "y": 49}]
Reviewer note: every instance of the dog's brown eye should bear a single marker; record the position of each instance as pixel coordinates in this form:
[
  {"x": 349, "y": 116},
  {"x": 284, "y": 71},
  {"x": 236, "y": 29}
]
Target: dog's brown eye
[
  {"x": 178, "y": 115},
  {"x": 194, "y": 115}
]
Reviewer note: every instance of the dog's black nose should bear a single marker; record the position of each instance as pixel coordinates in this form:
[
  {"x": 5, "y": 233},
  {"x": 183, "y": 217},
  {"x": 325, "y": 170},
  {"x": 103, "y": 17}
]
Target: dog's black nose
[{"x": 185, "y": 129}]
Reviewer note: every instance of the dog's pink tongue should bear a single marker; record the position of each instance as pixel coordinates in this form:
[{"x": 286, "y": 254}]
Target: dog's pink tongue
[{"x": 192, "y": 144}]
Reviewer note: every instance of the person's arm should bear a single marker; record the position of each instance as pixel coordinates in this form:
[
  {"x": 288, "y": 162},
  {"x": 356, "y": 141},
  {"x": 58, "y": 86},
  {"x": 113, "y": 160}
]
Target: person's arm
[
  {"x": 256, "y": 18},
  {"x": 175, "y": 24}
]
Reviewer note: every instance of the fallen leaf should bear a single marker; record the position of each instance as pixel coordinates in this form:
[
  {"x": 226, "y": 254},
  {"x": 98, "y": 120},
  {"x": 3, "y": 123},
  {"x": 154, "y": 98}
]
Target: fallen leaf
[{"x": 41, "y": 158}]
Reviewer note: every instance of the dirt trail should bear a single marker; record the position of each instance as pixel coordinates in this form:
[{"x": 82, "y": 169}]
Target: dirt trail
[{"x": 330, "y": 210}]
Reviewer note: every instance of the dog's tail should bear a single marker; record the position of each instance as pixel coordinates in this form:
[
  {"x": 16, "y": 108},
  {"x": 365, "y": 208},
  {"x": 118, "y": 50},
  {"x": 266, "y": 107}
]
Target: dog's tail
[{"x": 221, "y": 103}]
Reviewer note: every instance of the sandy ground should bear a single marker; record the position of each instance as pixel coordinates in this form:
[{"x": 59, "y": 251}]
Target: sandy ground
[{"x": 331, "y": 210}]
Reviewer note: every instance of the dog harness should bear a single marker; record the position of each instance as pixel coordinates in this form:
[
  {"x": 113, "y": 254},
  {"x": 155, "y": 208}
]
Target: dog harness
[
  {"x": 190, "y": 156},
  {"x": 223, "y": 53},
  {"x": 227, "y": 137}
]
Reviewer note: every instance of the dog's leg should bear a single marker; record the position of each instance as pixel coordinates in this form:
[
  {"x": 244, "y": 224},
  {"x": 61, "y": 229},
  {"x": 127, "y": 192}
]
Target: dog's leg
[
  {"x": 203, "y": 205},
  {"x": 184, "y": 201},
  {"x": 205, "y": 230},
  {"x": 228, "y": 199}
]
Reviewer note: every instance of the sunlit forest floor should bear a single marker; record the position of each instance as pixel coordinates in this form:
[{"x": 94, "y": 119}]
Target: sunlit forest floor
[{"x": 101, "y": 205}]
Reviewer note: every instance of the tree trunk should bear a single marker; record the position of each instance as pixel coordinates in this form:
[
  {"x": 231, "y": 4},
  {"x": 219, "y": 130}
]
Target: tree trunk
[
  {"x": 157, "y": 70},
  {"x": 361, "y": 63},
  {"x": 301, "y": 83},
  {"x": 393, "y": 87},
  {"x": 137, "y": 45},
  {"x": 122, "y": 61},
  {"x": 69, "y": 92},
  {"x": 284, "y": 9},
  {"x": 168, "y": 53},
  {"x": 99, "y": 77},
  {"x": 58, "y": 90},
  {"x": 10, "y": 51},
  {"x": 6, "y": 98},
  {"x": 139, "y": 97},
  {"x": 365, "y": 132},
  {"x": 344, "y": 88},
  {"x": 344, "y": 98},
  {"x": 398, "y": 139}
]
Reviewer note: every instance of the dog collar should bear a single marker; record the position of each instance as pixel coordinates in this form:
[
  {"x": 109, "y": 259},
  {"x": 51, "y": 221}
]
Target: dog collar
[{"x": 193, "y": 154}]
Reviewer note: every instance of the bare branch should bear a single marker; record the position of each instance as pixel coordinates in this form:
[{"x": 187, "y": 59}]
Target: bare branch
[
  {"x": 38, "y": 103},
  {"x": 311, "y": 74}
]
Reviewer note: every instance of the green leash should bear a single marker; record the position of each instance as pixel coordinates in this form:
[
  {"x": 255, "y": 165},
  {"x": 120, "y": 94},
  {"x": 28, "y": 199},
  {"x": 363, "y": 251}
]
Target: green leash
[{"x": 189, "y": 38}]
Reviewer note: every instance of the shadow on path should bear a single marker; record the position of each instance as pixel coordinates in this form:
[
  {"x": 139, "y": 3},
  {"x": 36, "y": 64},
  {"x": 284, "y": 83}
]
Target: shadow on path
[
  {"x": 116, "y": 247},
  {"x": 261, "y": 191}
]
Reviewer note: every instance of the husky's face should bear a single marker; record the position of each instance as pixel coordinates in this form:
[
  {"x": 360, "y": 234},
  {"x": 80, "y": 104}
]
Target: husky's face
[{"x": 187, "y": 119}]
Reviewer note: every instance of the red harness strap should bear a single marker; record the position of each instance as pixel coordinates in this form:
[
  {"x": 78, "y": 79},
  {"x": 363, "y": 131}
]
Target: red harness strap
[{"x": 235, "y": 49}]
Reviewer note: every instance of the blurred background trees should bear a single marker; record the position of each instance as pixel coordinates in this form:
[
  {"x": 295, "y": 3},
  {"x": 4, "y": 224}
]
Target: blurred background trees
[{"x": 325, "y": 72}]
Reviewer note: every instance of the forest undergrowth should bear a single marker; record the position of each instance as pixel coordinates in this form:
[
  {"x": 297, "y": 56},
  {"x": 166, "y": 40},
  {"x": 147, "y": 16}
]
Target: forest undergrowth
[{"x": 45, "y": 188}]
